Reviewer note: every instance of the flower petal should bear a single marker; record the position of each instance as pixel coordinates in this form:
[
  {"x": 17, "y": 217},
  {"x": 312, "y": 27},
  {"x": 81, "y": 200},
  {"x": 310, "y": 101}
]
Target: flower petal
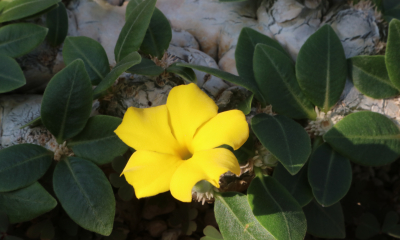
[
  {"x": 148, "y": 129},
  {"x": 189, "y": 108},
  {"x": 204, "y": 165},
  {"x": 230, "y": 128},
  {"x": 150, "y": 173}
]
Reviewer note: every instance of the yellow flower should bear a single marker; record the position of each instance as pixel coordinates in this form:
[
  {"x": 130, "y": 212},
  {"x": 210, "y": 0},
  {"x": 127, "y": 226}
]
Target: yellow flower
[{"x": 176, "y": 144}]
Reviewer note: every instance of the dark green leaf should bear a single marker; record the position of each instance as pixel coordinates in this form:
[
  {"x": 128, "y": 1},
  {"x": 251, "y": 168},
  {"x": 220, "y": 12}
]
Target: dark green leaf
[
  {"x": 183, "y": 72},
  {"x": 26, "y": 203},
  {"x": 17, "y": 9},
  {"x": 329, "y": 174},
  {"x": 116, "y": 180},
  {"x": 393, "y": 52},
  {"x": 284, "y": 138},
  {"x": 325, "y": 222},
  {"x": 132, "y": 4},
  {"x": 4, "y": 222},
  {"x": 97, "y": 142},
  {"x": 367, "y": 138},
  {"x": 57, "y": 22},
  {"x": 20, "y": 38},
  {"x": 321, "y": 68},
  {"x": 92, "y": 54},
  {"x": 276, "y": 209},
  {"x": 85, "y": 193},
  {"x": 394, "y": 231},
  {"x": 134, "y": 30},
  {"x": 297, "y": 185},
  {"x": 245, "y": 106},
  {"x": 235, "y": 219},
  {"x": 391, "y": 220},
  {"x": 126, "y": 192},
  {"x": 276, "y": 79},
  {"x": 22, "y": 164},
  {"x": 67, "y": 102},
  {"x": 146, "y": 67},
  {"x": 118, "y": 164},
  {"x": 158, "y": 35},
  {"x": 370, "y": 76},
  {"x": 11, "y": 75},
  {"x": 368, "y": 227},
  {"x": 126, "y": 63}
]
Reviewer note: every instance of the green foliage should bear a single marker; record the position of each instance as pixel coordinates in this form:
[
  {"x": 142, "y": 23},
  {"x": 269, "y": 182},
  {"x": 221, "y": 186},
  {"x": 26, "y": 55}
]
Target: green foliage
[
  {"x": 4, "y": 222},
  {"x": 284, "y": 138},
  {"x": 276, "y": 209},
  {"x": 321, "y": 68},
  {"x": 392, "y": 56},
  {"x": 91, "y": 53},
  {"x": 67, "y": 102},
  {"x": 183, "y": 72},
  {"x": 366, "y": 138},
  {"x": 26, "y": 203},
  {"x": 325, "y": 222},
  {"x": 11, "y": 75},
  {"x": 85, "y": 194},
  {"x": 57, "y": 23},
  {"x": 368, "y": 227},
  {"x": 21, "y": 165},
  {"x": 275, "y": 75},
  {"x": 146, "y": 67},
  {"x": 235, "y": 218},
  {"x": 329, "y": 175},
  {"x": 245, "y": 106},
  {"x": 211, "y": 234},
  {"x": 17, "y": 9}
]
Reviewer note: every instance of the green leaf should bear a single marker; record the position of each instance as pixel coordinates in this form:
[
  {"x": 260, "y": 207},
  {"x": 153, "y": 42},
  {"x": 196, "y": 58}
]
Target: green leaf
[
  {"x": 370, "y": 77},
  {"x": 134, "y": 30},
  {"x": 126, "y": 63},
  {"x": 329, "y": 175},
  {"x": 20, "y": 38},
  {"x": 11, "y": 75},
  {"x": 34, "y": 123},
  {"x": 235, "y": 219},
  {"x": 297, "y": 185},
  {"x": 4, "y": 222},
  {"x": 57, "y": 22},
  {"x": 226, "y": 76},
  {"x": 321, "y": 68},
  {"x": 183, "y": 72},
  {"x": 158, "y": 35},
  {"x": 132, "y": 4},
  {"x": 325, "y": 222},
  {"x": 118, "y": 164},
  {"x": 126, "y": 192},
  {"x": 284, "y": 138},
  {"x": 248, "y": 39},
  {"x": 368, "y": 227},
  {"x": 146, "y": 67},
  {"x": 211, "y": 233},
  {"x": 392, "y": 56},
  {"x": 117, "y": 180},
  {"x": 92, "y": 54},
  {"x": 67, "y": 102},
  {"x": 17, "y": 9},
  {"x": 85, "y": 193},
  {"x": 366, "y": 138},
  {"x": 26, "y": 203},
  {"x": 275, "y": 76},
  {"x": 246, "y": 151},
  {"x": 391, "y": 220},
  {"x": 245, "y": 106},
  {"x": 23, "y": 164},
  {"x": 97, "y": 142}
]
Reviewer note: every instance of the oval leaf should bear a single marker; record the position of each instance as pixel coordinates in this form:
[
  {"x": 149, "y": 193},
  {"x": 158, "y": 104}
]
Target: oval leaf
[
  {"x": 392, "y": 56},
  {"x": 297, "y": 185},
  {"x": 20, "y": 38},
  {"x": 183, "y": 72},
  {"x": 98, "y": 142},
  {"x": 57, "y": 22},
  {"x": 17, "y": 9},
  {"x": 67, "y": 102},
  {"x": 329, "y": 175},
  {"x": 85, "y": 194},
  {"x": 390, "y": 221},
  {"x": 121, "y": 67},
  {"x": 284, "y": 138},
  {"x": 146, "y": 67},
  {"x": 325, "y": 222},
  {"x": 26, "y": 203},
  {"x": 92, "y": 54},
  {"x": 23, "y": 164},
  {"x": 134, "y": 30},
  {"x": 158, "y": 35},
  {"x": 11, "y": 75},
  {"x": 366, "y": 138},
  {"x": 235, "y": 219},
  {"x": 275, "y": 209},
  {"x": 370, "y": 77},
  {"x": 276, "y": 79},
  {"x": 368, "y": 227},
  {"x": 321, "y": 68}
]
